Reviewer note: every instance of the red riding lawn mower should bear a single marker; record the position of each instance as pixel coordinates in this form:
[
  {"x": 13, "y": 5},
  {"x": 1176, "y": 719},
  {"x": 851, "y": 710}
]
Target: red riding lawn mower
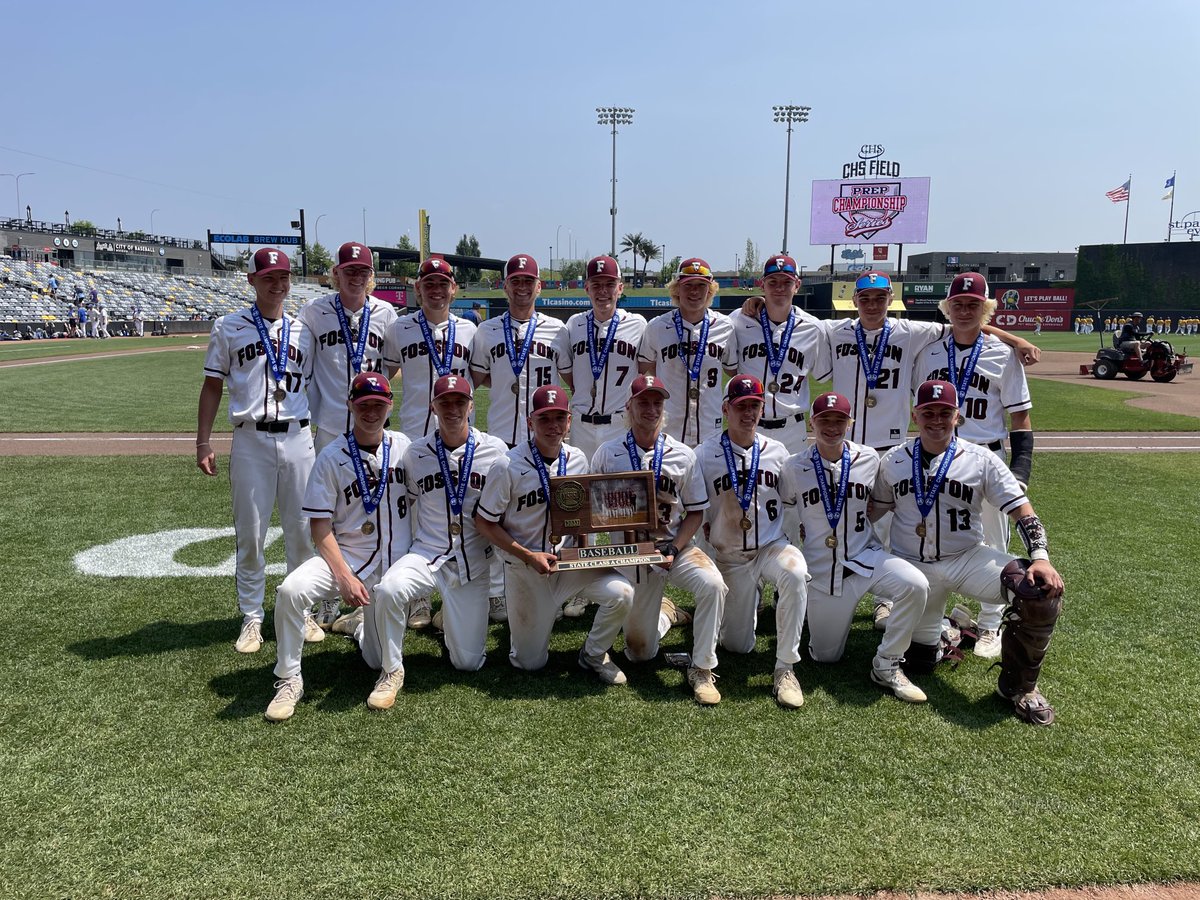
[{"x": 1160, "y": 360}]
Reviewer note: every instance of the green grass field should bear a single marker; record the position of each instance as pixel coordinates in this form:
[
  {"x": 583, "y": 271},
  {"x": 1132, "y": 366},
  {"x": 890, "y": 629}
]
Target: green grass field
[{"x": 138, "y": 763}]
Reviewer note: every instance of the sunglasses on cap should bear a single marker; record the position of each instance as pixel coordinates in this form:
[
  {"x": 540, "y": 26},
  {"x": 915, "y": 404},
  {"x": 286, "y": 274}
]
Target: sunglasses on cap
[
  {"x": 696, "y": 269},
  {"x": 786, "y": 267}
]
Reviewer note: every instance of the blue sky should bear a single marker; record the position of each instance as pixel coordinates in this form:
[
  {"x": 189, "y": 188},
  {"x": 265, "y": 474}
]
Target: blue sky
[{"x": 1022, "y": 113}]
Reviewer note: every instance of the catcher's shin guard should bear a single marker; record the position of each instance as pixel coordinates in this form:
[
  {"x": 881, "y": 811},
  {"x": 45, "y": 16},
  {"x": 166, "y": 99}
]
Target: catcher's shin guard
[
  {"x": 1028, "y": 624},
  {"x": 920, "y": 659}
]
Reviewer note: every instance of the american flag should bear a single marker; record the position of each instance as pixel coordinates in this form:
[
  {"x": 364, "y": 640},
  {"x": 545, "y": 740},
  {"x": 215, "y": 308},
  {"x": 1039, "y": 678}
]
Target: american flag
[{"x": 1120, "y": 194}]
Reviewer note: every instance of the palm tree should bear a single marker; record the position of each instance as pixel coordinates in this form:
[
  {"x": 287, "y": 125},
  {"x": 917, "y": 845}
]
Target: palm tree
[
  {"x": 633, "y": 243},
  {"x": 649, "y": 250}
]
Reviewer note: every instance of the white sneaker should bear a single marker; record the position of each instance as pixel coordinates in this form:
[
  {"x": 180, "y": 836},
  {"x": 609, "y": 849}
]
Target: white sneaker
[
  {"x": 704, "y": 686},
  {"x": 897, "y": 682},
  {"x": 349, "y": 623},
  {"x": 328, "y": 613},
  {"x": 386, "y": 688},
  {"x": 420, "y": 614},
  {"x": 880, "y": 616},
  {"x": 604, "y": 667},
  {"x": 786, "y": 689},
  {"x": 250, "y": 640},
  {"x": 497, "y": 609},
  {"x": 288, "y": 692},
  {"x": 987, "y": 646},
  {"x": 312, "y": 631},
  {"x": 575, "y": 608}
]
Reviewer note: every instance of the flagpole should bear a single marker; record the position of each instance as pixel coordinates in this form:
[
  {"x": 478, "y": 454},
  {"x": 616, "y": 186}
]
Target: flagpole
[
  {"x": 1125, "y": 236},
  {"x": 1171, "y": 214}
]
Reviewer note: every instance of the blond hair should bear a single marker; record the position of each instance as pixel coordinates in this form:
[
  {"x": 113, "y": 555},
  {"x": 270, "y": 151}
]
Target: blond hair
[
  {"x": 335, "y": 281},
  {"x": 989, "y": 307},
  {"x": 673, "y": 287}
]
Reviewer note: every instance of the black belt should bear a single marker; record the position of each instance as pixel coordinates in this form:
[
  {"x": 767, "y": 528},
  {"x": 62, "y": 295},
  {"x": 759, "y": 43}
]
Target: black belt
[
  {"x": 276, "y": 427},
  {"x": 996, "y": 445},
  {"x": 596, "y": 420},
  {"x": 780, "y": 423}
]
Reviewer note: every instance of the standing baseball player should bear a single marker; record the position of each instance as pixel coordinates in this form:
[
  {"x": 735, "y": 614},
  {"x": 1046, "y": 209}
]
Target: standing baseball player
[
  {"x": 139, "y": 324},
  {"x": 514, "y": 516},
  {"x": 266, "y": 357},
  {"x": 682, "y": 499},
  {"x": 684, "y": 349},
  {"x": 990, "y": 385},
  {"x": 596, "y": 355},
  {"x": 348, "y": 328},
  {"x": 444, "y": 474},
  {"x": 938, "y": 485},
  {"x": 744, "y": 523},
  {"x": 831, "y": 484},
  {"x": 358, "y": 516}
]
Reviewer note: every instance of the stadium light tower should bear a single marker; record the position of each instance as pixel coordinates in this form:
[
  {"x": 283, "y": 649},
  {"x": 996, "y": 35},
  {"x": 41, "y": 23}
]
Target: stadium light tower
[
  {"x": 791, "y": 115},
  {"x": 18, "y": 180},
  {"x": 614, "y": 116}
]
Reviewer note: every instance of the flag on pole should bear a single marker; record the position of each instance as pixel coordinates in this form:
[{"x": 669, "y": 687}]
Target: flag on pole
[
  {"x": 1119, "y": 194},
  {"x": 1170, "y": 188}
]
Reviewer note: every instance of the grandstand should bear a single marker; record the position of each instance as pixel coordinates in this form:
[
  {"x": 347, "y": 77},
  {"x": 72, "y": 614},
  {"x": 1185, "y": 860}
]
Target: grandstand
[{"x": 26, "y": 299}]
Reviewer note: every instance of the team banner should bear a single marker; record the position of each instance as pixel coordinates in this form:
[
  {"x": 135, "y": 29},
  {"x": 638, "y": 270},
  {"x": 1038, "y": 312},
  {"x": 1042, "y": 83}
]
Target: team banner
[
  {"x": 1018, "y": 309},
  {"x": 870, "y": 211}
]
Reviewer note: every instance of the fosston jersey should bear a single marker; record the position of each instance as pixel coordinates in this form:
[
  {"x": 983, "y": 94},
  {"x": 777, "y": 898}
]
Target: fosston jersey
[
  {"x": 508, "y": 411},
  {"x": 734, "y": 545},
  {"x": 612, "y": 387},
  {"x": 690, "y": 420},
  {"x": 807, "y": 357},
  {"x": 404, "y": 350}
]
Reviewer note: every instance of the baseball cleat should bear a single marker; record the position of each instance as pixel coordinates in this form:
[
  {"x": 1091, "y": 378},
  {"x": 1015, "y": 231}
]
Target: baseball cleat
[
  {"x": 420, "y": 615},
  {"x": 1031, "y": 707},
  {"x": 288, "y": 692},
  {"x": 328, "y": 613},
  {"x": 675, "y": 614},
  {"x": 704, "y": 686},
  {"x": 894, "y": 680},
  {"x": 880, "y": 616},
  {"x": 602, "y": 666},
  {"x": 988, "y": 644},
  {"x": 349, "y": 623},
  {"x": 497, "y": 609},
  {"x": 575, "y": 608},
  {"x": 438, "y": 621},
  {"x": 786, "y": 688},
  {"x": 250, "y": 640},
  {"x": 312, "y": 631},
  {"x": 386, "y": 688}
]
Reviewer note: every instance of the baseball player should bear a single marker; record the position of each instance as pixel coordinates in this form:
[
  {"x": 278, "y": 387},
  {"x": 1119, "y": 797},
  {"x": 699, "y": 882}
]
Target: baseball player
[
  {"x": 682, "y": 499},
  {"x": 744, "y": 525},
  {"x": 831, "y": 484},
  {"x": 938, "y": 485},
  {"x": 444, "y": 474},
  {"x": 513, "y": 354},
  {"x": 358, "y": 516},
  {"x": 684, "y": 349},
  {"x": 514, "y": 516},
  {"x": 139, "y": 324},
  {"x": 267, "y": 358},
  {"x": 348, "y": 328},
  {"x": 427, "y": 346},
  {"x": 990, "y": 385},
  {"x": 596, "y": 355}
]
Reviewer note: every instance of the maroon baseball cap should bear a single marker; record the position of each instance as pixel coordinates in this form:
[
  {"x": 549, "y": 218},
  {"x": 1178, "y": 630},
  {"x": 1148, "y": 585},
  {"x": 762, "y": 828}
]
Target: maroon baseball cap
[
  {"x": 269, "y": 259},
  {"x": 644, "y": 383},
  {"x": 370, "y": 386},
  {"x": 452, "y": 384},
  {"x": 548, "y": 398},
  {"x": 521, "y": 264},
  {"x": 936, "y": 393},
  {"x": 968, "y": 284},
  {"x": 353, "y": 253},
  {"x": 695, "y": 269},
  {"x": 436, "y": 267},
  {"x": 744, "y": 387},
  {"x": 780, "y": 263},
  {"x": 603, "y": 267},
  {"x": 830, "y": 402}
]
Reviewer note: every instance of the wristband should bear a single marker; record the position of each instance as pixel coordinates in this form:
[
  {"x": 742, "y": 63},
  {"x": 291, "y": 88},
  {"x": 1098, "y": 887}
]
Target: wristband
[
  {"x": 1021, "y": 461},
  {"x": 1033, "y": 535},
  {"x": 668, "y": 550}
]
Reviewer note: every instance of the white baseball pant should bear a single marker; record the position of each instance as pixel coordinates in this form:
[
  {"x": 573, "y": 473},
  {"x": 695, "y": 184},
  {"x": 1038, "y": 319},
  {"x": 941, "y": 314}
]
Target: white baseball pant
[
  {"x": 996, "y": 533},
  {"x": 534, "y": 601},
  {"x": 779, "y": 564},
  {"x": 464, "y": 609},
  {"x": 266, "y": 468},
  {"x": 588, "y": 437},
  {"x": 692, "y": 571},
  {"x": 323, "y": 438},
  {"x": 974, "y": 574}
]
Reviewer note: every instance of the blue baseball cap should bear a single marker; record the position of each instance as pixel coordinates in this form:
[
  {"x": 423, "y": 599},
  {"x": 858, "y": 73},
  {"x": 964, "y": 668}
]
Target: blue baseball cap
[{"x": 872, "y": 281}]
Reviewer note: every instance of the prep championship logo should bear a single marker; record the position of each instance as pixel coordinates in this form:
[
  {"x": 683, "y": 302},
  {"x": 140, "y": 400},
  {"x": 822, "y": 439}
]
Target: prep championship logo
[{"x": 869, "y": 208}]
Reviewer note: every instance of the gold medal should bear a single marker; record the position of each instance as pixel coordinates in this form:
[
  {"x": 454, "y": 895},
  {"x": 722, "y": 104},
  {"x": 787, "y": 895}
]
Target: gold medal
[
  {"x": 280, "y": 393},
  {"x": 694, "y": 393},
  {"x": 746, "y": 523},
  {"x": 773, "y": 387},
  {"x": 516, "y": 388},
  {"x": 921, "y": 530},
  {"x": 871, "y": 401},
  {"x": 455, "y": 529},
  {"x": 831, "y": 541},
  {"x": 368, "y": 528}
]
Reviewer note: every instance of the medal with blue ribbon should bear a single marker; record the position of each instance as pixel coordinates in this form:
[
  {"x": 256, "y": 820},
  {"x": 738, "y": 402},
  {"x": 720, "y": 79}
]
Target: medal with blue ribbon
[
  {"x": 635, "y": 459},
  {"x": 599, "y": 357},
  {"x": 926, "y": 498},
  {"x": 776, "y": 355},
  {"x": 354, "y": 349},
  {"x": 276, "y": 361},
  {"x": 961, "y": 383},
  {"x": 872, "y": 364},
  {"x": 370, "y": 498},
  {"x": 456, "y": 492},
  {"x": 443, "y": 361},
  {"x": 544, "y": 476},
  {"x": 693, "y": 367},
  {"x": 516, "y": 358},
  {"x": 743, "y": 493},
  {"x": 835, "y": 505}
]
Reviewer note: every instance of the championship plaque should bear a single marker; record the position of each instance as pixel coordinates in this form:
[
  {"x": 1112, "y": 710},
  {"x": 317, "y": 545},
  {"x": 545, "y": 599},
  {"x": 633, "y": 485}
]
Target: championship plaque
[{"x": 583, "y": 505}]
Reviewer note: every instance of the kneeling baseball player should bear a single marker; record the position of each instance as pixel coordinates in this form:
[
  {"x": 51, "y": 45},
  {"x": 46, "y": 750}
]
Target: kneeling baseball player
[
  {"x": 742, "y": 471},
  {"x": 514, "y": 515},
  {"x": 938, "y": 486},
  {"x": 358, "y": 516}
]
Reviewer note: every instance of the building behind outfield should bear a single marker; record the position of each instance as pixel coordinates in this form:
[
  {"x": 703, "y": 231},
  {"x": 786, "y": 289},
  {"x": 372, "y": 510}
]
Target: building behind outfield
[
  {"x": 1153, "y": 276},
  {"x": 35, "y": 241},
  {"x": 996, "y": 267}
]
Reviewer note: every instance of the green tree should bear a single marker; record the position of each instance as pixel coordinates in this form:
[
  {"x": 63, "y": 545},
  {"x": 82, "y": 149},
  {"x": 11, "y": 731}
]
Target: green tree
[
  {"x": 749, "y": 270},
  {"x": 572, "y": 270},
  {"x": 649, "y": 251},
  {"x": 632, "y": 243},
  {"x": 319, "y": 259},
  {"x": 468, "y": 246},
  {"x": 83, "y": 226},
  {"x": 404, "y": 269},
  {"x": 670, "y": 268}
]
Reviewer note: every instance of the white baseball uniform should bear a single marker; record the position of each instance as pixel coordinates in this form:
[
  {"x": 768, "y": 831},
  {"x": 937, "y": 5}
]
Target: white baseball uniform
[
  {"x": 514, "y": 497},
  {"x": 856, "y": 564},
  {"x": 951, "y": 553},
  {"x": 333, "y": 493},
  {"x": 747, "y": 557},
  {"x": 679, "y": 490},
  {"x": 404, "y": 350},
  {"x": 139, "y": 325},
  {"x": 689, "y": 419},
  {"x": 454, "y": 565},
  {"x": 272, "y": 449},
  {"x": 332, "y": 369},
  {"x": 598, "y": 404},
  {"x": 508, "y": 409}
]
